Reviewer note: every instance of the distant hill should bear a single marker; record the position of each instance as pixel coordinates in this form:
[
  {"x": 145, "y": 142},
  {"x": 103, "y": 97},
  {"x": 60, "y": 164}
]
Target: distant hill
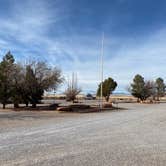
[
  {"x": 121, "y": 93},
  {"x": 91, "y": 92}
]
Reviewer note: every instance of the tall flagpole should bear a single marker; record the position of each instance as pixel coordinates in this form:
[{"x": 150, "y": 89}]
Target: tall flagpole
[{"x": 101, "y": 65}]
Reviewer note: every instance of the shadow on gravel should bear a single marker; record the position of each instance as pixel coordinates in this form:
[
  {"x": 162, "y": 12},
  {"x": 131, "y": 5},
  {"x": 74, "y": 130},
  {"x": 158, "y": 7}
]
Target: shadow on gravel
[
  {"x": 88, "y": 109},
  {"x": 43, "y": 112},
  {"x": 51, "y": 107},
  {"x": 19, "y": 117}
]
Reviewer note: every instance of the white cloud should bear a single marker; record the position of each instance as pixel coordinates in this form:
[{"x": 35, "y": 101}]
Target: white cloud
[
  {"x": 26, "y": 33},
  {"x": 147, "y": 58}
]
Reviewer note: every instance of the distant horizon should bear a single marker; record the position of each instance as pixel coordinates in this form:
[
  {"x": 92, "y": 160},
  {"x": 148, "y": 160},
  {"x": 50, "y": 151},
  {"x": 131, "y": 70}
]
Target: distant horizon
[
  {"x": 67, "y": 34},
  {"x": 91, "y": 92}
]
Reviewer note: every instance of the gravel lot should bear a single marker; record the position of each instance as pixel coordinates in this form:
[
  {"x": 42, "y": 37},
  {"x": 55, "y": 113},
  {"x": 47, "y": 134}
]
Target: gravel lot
[{"x": 132, "y": 137}]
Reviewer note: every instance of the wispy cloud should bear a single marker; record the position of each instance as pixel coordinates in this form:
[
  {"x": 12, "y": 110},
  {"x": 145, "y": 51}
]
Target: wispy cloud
[
  {"x": 29, "y": 24},
  {"x": 144, "y": 56}
]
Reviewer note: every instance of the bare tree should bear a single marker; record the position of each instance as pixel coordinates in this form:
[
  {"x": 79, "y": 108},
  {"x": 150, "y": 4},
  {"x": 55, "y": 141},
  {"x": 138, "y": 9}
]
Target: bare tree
[
  {"x": 39, "y": 78},
  {"x": 150, "y": 89},
  {"x": 72, "y": 89}
]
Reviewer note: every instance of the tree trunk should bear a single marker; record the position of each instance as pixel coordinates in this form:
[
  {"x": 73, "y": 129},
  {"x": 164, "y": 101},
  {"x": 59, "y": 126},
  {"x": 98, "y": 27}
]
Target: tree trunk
[
  {"x": 107, "y": 98},
  {"x": 33, "y": 105},
  {"x": 158, "y": 98},
  {"x": 16, "y": 105},
  {"x": 26, "y": 104},
  {"x": 154, "y": 98},
  {"x": 4, "y": 105}
]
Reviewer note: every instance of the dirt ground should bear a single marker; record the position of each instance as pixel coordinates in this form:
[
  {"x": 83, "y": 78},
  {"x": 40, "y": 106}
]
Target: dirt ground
[{"x": 132, "y": 137}]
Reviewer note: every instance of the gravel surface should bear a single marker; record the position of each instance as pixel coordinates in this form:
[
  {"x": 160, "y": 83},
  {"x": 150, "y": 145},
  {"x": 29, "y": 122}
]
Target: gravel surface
[{"x": 132, "y": 137}]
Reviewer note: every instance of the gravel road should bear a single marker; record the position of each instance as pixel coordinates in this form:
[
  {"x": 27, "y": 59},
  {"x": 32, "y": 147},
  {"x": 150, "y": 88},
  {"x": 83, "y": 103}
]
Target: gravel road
[{"x": 132, "y": 137}]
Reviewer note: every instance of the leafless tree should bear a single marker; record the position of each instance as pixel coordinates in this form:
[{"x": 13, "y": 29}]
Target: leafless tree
[{"x": 72, "y": 89}]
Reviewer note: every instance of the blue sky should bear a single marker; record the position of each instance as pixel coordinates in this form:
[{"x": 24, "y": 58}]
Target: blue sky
[{"x": 67, "y": 34}]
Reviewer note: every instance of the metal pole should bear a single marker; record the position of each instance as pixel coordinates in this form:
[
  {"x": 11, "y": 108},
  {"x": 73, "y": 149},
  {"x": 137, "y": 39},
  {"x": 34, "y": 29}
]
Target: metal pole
[{"x": 101, "y": 61}]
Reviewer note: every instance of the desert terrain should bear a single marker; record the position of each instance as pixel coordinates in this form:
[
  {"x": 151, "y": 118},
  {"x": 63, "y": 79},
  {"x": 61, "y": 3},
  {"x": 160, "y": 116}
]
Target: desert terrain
[{"x": 133, "y": 136}]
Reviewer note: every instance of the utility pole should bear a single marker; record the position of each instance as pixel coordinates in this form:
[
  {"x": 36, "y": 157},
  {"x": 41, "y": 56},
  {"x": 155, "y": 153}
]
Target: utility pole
[{"x": 101, "y": 70}]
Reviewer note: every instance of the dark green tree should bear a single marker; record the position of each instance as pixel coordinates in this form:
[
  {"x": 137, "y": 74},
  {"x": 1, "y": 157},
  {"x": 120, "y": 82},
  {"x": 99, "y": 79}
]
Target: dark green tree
[
  {"x": 34, "y": 91},
  {"x": 39, "y": 77},
  {"x": 141, "y": 89},
  {"x": 18, "y": 80},
  {"x": 109, "y": 85},
  {"x": 160, "y": 87},
  {"x": 26, "y": 84},
  {"x": 6, "y": 75},
  {"x": 137, "y": 87}
]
